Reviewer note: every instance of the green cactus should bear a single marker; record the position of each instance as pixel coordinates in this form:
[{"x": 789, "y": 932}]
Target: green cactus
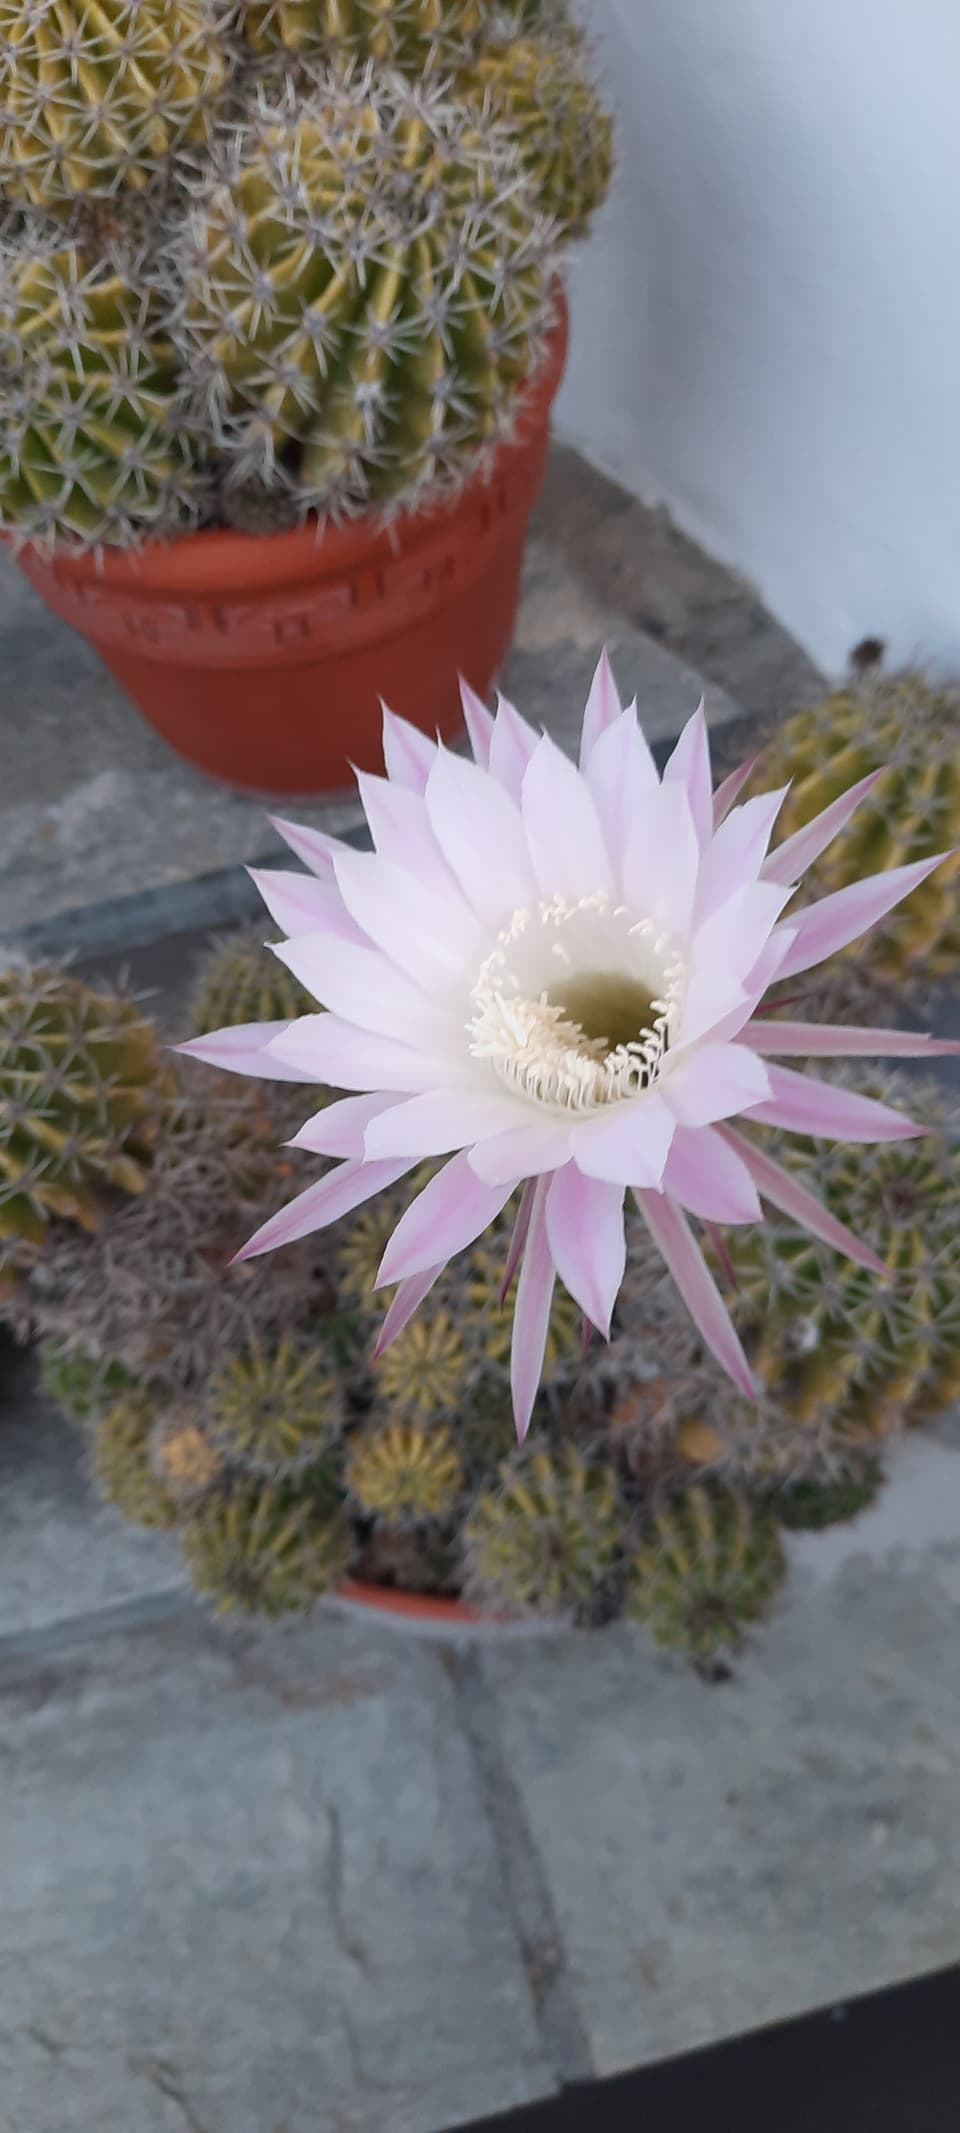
[
  {"x": 96, "y": 94},
  {"x": 488, "y": 1324},
  {"x": 89, "y": 451},
  {"x": 269, "y": 1548},
  {"x": 549, "y": 1537},
  {"x": 83, "y": 1385},
  {"x": 909, "y": 728},
  {"x": 814, "y": 1503},
  {"x": 424, "y": 1373},
  {"x": 710, "y": 1563},
  {"x": 540, "y": 91},
  {"x": 83, "y": 1090},
  {"x": 827, "y": 1338},
  {"x": 405, "y": 1472},
  {"x": 273, "y": 1409},
  {"x": 409, "y": 34},
  {"x": 241, "y": 981},
  {"x": 124, "y": 1466},
  {"x": 365, "y": 287}
]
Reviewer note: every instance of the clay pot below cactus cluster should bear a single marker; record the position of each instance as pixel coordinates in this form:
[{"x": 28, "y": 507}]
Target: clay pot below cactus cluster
[{"x": 262, "y": 660}]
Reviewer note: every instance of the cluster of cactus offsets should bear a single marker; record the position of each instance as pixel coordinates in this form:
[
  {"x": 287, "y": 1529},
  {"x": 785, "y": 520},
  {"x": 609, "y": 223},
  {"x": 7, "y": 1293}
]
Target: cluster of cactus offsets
[
  {"x": 241, "y": 981},
  {"x": 88, "y": 449},
  {"x": 98, "y": 94},
  {"x": 405, "y": 1472},
  {"x": 268, "y": 1547},
  {"x": 710, "y": 1563},
  {"x": 185, "y": 1460},
  {"x": 825, "y": 1337},
  {"x": 541, "y": 94},
  {"x": 909, "y": 728},
  {"x": 83, "y": 1385},
  {"x": 548, "y": 1538},
  {"x": 408, "y": 34},
  {"x": 123, "y": 1462},
  {"x": 83, "y": 1090},
  {"x": 365, "y": 286},
  {"x": 812, "y": 1504},
  {"x": 275, "y": 1408}
]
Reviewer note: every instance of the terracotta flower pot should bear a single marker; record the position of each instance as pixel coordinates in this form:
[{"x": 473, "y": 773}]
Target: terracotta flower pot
[
  {"x": 420, "y": 1615},
  {"x": 262, "y": 660}
]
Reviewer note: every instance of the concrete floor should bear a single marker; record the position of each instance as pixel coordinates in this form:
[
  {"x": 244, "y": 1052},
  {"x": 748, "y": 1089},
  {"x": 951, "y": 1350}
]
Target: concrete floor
[{"x": 329, "y": 1878}]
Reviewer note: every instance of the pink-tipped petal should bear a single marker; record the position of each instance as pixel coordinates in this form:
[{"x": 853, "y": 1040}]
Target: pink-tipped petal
[
  {"x": 518, "y": 1237},
  {"x": 714, "y": 1081},
  {"x": 301, "y": 904},
  {"x": 244, "y": 1048},
  {"x": 689, "y": 766},
  {"x": 737, "y": 850},
  {"x": 566, "y": 843},
  {"x": 623, "y": 781},
  {"x": 443, "y": 1120},
  {"x": 479, "y": 724},
  {"x": 838, "y": 1040},
  {"x": 729, "y": 792},
  {"x": 799, "y": 1104},
  {"x": 531, "y": 1318},
  {"x": 797, "y": 853},
  {"x": 512, "y": 744},
  {"x": 410, "y": 1295},
  {"x": 323, "y": 1048},
  {"x": 522, "y": 1152},
  {"x": 603, "y": 707},
  {"x": 716, "y": 1006},
  {"x": 450, "y": 1213},
  {"x": 831, "y": 924},
  {"x": 364, "y": 987},
  {"x": 337, "y": 1194},
  {"x": 400, "y": 827},
  {"x": 783, "y": 1190},
  {"x": 313, "y": 846},
  {"x": 735, "y": 936},
  {"x": 707, "y": 1177},
  {"x": 407, "y": 754},
  {"x": 627, "y": 1146},
  {"x": 479, "y": 830},
  {"x": 431, "y": 938},
  {"x": 696, "y": 1284},
  {"x": 662, "y": 861},
  {"x": 339, "y": 1129},
  {"x": 586, "y": 1236}
]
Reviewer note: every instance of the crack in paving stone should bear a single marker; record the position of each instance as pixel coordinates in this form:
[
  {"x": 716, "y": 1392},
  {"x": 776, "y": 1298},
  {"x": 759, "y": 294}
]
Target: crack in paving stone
[
  {"x": 562, "y": 2029},
  {"x": 168, "y": 2080}
]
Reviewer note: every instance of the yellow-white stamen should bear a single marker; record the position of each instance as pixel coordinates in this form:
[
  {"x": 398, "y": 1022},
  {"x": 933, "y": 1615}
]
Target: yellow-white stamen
[{"x": 576, "y": 1004}]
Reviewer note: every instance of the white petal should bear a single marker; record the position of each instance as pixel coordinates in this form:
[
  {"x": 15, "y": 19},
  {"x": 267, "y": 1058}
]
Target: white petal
[
  {"x": 622, "y": 778},
  {"x": 662, "y": 862},
  {"x": 442, "y": 1120},
  {"x": 563, "y": 832},
  {"x": 364, "y": 987},
  {"x": 628, "y": 1146},
  {"x": 479, "y": 830},
  {"x": 323, "y": 1048},
  {"x": 431, "y": 937},
  {"x": 714, "y": 1081}
]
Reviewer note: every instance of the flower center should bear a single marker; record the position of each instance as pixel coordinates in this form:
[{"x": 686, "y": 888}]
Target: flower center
[{"x": 576, "y": 1004}]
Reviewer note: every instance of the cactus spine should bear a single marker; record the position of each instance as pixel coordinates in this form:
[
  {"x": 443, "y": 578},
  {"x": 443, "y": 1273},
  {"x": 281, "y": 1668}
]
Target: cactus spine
[
  {"x": 240, "y": 981},
  {"x": 274, "y": 1408},
  {"x": 406, "y": 1472},
  {"x": 410, "y": 34},
  {"x": 541, "y": 93},
  {"x": 549, "y": 1536},
  {"x": 267, "y": 1547}
]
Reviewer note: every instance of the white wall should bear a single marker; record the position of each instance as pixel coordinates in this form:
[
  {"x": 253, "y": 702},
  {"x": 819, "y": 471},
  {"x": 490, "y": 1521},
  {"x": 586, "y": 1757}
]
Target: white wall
[{"x": 767, "y": 316}]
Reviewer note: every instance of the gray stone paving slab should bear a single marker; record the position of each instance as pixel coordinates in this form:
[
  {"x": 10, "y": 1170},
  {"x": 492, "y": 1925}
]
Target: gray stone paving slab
[
  {"x": 721, "y": 1857},
  {"x": 63, "y": 1552},
  {"x": 249, "y": 1888}
]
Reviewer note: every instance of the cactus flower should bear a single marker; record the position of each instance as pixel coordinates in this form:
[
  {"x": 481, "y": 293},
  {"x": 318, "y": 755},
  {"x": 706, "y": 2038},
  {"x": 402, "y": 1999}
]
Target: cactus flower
[{"x": 553, "y": 975}]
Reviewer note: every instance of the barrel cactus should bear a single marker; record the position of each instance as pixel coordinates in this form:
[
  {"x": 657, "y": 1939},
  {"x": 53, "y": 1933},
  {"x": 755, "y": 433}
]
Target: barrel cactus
[
  {"x": 710, "y": 1563},
  {"x": 124, "y": 1466},
  {"x": 365, "y": 285},
  {"x": 97, "y": 94},
  {"x": 241, "y": 981},
  {"x": 406, "y": 1472},
  {"x": 269, "y": 1548},
  {"x": 83, "y": 1089},
  {"x": 424, "y": 1372},
  {"x": 186, "y": 1461},
  {"x": 909, "y": 729},
  {"x": 830, "y": 1342},
  {"x": 549, "y": 1536},
  {"x": 274, "y": 1408},
  {"x": 89, "y": 451},
  {"x": 812, "y": 1504},
  {"x": 83, "y": 1385}
]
